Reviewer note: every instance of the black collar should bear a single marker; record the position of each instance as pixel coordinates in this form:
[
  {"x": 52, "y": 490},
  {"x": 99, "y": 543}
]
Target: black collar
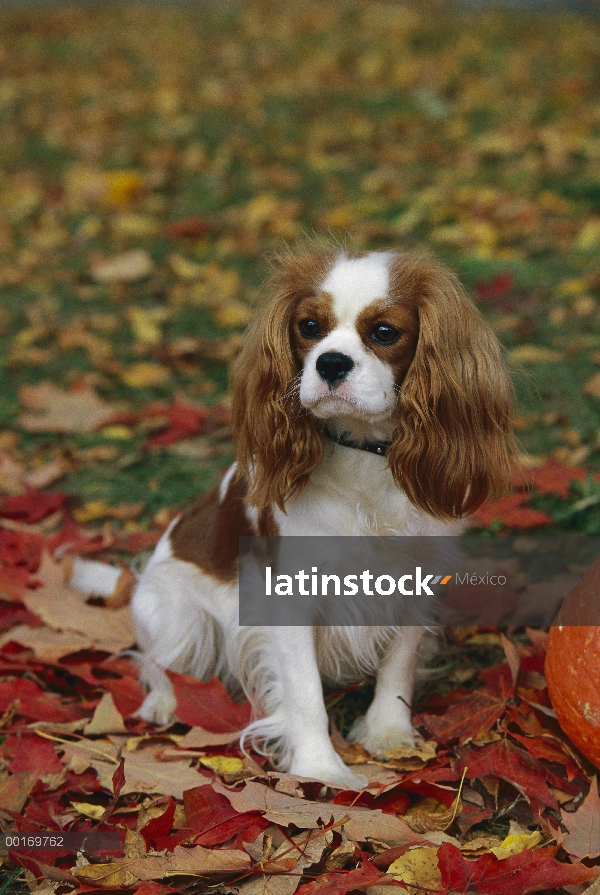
[{"x": 373, "y": 447}]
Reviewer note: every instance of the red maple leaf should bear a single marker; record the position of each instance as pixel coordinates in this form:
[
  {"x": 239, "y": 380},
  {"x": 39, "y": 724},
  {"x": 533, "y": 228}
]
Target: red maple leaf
[
  {"x": 32, "y": 754},
  {"x": 477, "y": 712},
  {"x": 509, "y": 510},
  {"x": 207, "y": 705},
  {"x": 530, "y": 871},
  {"x": 32, "y": 506},
  {"x": 496, "y": 288},
  {"x": 192, "y": 227},
  {"x": 185, "y": 420},
  {"x": 203, "y": 807},
  {"x": 158, "y": 828},
  {"x": 515, "y": 766},
  {"x": 553, "y": 477},
  {"x": 35, "y": 703},
  {"x": 346, "y": 881}
]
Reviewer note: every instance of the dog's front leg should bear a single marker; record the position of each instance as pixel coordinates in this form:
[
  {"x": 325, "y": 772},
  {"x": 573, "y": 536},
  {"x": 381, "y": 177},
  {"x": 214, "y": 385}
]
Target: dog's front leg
[
  {"x": 305, "y": 733},
  {"x": 388, "y": 724}
]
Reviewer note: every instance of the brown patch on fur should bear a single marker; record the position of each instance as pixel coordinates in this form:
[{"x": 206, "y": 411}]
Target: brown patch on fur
[
  {"x": 267, "y": 527},
  {"x": 316, "y": 307},
  {"x": 279, "y": 443},
  {"x": 356, "y": 254},
  {"x": 451, "y": 450},
  {"x": 207, "y": 534},
  {"x": 402, "y": 315}
]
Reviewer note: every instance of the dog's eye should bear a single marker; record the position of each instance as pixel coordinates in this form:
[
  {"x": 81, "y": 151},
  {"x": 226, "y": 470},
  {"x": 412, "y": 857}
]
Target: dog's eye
[
  {"x": 309, "y": 329},
  {"x": 385, "y": 334}
]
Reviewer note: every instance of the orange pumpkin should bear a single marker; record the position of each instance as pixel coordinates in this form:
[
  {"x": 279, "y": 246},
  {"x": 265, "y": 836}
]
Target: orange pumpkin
[{"x": 573, "y": 665}]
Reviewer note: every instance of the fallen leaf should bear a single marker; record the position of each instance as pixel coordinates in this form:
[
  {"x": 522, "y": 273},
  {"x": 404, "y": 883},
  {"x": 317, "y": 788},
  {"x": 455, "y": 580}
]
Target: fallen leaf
[
  {"x": 106, "y": 875},
  {"x": 360, "y": 879},
  {"x": 126, "y": 268},
  {"x": 592, "y": 386},
  {"x": 582, "y": 839},
  {"x": 534, "y": 354},
  {"x": 515, "y": 844},
  {"x": 553, "y": 477},
  {"x": 359, "y": 823},
  {"x": 426, "y": 818},
  {"x": 517, "y": 767},
  {"x": 417, "y": 868},
  {"x": 521, "y": 874},
  {"x": 195, "y": 861},
  {"x": 64, "y": 609},
  {"x": 199, "y": 738},
  {"x": 207, "y": 704},
  {"x": 78, "y": 410},
  {"x": 106, "y": 718},
  {"x": 145, "y": 374},
  {"x": 187, "y": 228},
  {"x": 510, "y": 511},
  {"x": 477, "y": 712}
]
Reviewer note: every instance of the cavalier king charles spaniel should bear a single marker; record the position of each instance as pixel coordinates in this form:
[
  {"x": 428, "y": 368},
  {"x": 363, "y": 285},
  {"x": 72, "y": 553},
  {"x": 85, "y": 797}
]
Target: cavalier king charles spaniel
[{"x": 370, "y": 398}]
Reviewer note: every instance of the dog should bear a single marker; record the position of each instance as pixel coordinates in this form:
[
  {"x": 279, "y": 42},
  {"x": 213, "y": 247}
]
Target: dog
[{"x": 370, "y": 397}]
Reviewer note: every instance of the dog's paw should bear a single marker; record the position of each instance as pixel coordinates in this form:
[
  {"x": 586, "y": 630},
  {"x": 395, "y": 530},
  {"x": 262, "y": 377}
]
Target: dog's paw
[
  {"x": 335, "y": 773},
  {"x": 158, "y": 708},
  {"x": 383, "y": 738}
]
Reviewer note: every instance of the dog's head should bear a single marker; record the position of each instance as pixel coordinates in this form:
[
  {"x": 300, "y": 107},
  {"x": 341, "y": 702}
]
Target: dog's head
[{"x": 376, "y": 346}]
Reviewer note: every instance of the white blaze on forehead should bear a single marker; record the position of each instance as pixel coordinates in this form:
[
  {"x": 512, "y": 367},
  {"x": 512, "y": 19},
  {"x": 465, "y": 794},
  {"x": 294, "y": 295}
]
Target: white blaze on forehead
[{"x": 355, "y": 283}]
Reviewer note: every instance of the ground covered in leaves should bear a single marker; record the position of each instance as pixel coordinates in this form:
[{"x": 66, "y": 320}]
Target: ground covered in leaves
[{"x": 149, "y": 160}]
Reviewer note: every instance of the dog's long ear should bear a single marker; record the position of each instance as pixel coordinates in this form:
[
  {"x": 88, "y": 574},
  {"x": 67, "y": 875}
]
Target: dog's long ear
[
  {"x": 278, "y": 442},
  {"x": 450, "y": 451}
]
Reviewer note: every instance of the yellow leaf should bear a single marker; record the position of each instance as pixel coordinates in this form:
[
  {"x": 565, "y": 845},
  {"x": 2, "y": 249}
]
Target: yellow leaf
[
  {"x": 592, "y": 386},
  {"x": 259, "y": 210},
  {"x": 185, "y": 269},
  {"x": 118, "y": 433},
  {"x": 125, "y": 268},
  {"x": 589, "y": 235},
  {"x": 145, "y": 374},
  {"x": 106, "y": 875},
  {"x": 95, "y": 509},
  {"x": 486, "y": 638},
  {"x": 89, "y": 810},
  {"x": 519, "y": 842},
  {"x": 222, "y": 764},
  {"x": 123, "y": 186},
  {"x": 130, "y": 224},
  {"x": 234, "y": 313},
  {"x": 418, "y": 868},
  {"x": 534, "y": 354},
  {"x": 146, "y": 323},
  {"x": 584, "y": 305},
  {"x": 572, "y": 286}
]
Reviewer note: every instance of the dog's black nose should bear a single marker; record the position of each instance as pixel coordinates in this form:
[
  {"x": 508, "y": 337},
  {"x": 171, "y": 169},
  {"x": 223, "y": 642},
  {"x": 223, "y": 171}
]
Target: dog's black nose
[{"x": 333, "y": 367}]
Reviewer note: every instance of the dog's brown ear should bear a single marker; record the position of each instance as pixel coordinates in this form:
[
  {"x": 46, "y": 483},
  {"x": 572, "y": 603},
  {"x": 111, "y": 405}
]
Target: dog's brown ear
[
  {"x": 278, "y": 442},
  {"x": 451, "y": 449}
]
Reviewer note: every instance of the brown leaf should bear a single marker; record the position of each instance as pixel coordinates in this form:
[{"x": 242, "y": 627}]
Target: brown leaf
[
  {"x": 198, "y": 738},
  {"x": 592, "y": 386},
  {"x": 125, "y": 268},
  {"x": 63, "y": 608},
  {"x": 106, "y": 875},
  {"x": 423, "y": 821},
  {"x": 106, "y": 718},
  {"x": 359, "y": 823},
  {"x": 192, "y": 861},
  {"x": 55, "y": 410},
  {"x": 14, "y": 791},
  {"x": 583, "y": 825}
]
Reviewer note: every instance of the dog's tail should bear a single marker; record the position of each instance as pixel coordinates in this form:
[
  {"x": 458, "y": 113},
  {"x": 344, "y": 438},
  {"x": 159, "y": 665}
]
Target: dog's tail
[{"x": 99, "y": 579}]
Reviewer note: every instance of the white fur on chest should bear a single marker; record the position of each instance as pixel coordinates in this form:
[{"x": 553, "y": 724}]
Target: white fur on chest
[{"x": 352, "y": 493}]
